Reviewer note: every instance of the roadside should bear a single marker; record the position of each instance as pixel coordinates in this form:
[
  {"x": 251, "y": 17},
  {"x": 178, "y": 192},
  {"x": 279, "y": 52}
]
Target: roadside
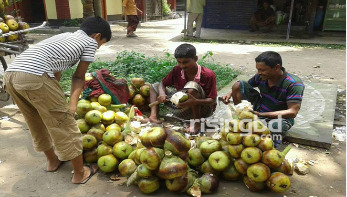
[{"x": 21, "y": 168}]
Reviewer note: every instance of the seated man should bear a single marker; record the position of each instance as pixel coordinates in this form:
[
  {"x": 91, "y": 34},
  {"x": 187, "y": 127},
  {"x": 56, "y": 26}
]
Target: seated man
[
  {"x": 265, "y": 17},
  {"x": 280, "y": 93},
  {"x": 188, "y": 76}
]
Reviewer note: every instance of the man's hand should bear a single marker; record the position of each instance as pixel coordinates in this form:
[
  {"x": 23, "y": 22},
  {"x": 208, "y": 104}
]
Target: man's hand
[
  {"x": 162, "y": 98},
  {"x": 226, "y": 98},
  {"x": 140, "y": 11},
  {"x": 256, "y": 113},
  {"x": 57, "y": 76},
  {"x": 291, "y": 112},
  {"x": 188, "y": 103},
  {"x": 73, "y": 109}
]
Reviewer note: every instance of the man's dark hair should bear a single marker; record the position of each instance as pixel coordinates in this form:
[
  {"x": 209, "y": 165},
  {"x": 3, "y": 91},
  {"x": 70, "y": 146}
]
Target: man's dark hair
[
  {"x": 270, "y": 58},
  {"x": 94, "y": 25},
  {"x": 185, "y": 51}
]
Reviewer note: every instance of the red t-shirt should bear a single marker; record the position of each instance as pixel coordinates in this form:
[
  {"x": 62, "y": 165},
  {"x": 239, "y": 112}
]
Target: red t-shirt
[{"x": 205, "y": 78}]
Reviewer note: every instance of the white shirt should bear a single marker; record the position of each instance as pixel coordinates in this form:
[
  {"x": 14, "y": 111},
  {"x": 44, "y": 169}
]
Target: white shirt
[{"x": 55, "y": 54}]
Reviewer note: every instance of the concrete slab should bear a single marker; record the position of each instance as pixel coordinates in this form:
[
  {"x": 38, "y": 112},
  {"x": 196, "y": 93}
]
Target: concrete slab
[
  {"x": 314, "y": 123},
  {"x": 244, "y": 36},
  {"x": 46, "y": 30}
]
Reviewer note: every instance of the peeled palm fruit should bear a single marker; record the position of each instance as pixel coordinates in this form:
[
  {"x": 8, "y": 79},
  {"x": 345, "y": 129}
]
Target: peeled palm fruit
[{"x": 179, "y": 97}]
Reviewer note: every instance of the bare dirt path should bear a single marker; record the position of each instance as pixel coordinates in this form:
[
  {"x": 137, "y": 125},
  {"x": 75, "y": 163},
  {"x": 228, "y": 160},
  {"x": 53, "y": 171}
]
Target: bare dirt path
[{"x": 21, "y": 168}]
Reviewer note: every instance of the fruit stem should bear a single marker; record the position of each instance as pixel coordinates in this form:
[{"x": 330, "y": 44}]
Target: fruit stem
[
  {"x": 168, "y": 153},
  {"x": 286, "y": 150},
  {"x": 131, "y": 112},
  {"x": 127, "y": 128},
  {"x": 194, "y": 190},
  {"x": 120, "y": 106},
  {"x": 134, "y": 177}
]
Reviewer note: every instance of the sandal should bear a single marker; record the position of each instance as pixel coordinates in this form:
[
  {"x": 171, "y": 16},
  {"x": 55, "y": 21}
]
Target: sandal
[{"x": 93, "y": 170}]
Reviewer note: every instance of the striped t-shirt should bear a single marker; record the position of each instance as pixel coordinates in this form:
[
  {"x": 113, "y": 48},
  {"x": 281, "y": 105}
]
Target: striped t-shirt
[
  {"x": 288, "y": 89},
  {"x": 55, "y": 54}
]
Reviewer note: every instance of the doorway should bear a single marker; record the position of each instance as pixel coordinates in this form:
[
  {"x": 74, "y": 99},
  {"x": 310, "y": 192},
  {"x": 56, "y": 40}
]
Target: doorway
[{"x": 38, "y": 11}]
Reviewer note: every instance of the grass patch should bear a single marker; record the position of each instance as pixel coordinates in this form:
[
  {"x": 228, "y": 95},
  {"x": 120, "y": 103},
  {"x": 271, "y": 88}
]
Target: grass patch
[
  {"x": 302, "y": 45},
  {"x": 268, "y": 44},
  {"x": 129, "y": 64}
]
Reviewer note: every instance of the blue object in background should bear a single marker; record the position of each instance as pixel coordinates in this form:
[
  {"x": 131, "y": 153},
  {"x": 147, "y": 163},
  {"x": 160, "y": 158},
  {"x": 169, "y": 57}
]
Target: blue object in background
[{"x": 319, "y": 17}]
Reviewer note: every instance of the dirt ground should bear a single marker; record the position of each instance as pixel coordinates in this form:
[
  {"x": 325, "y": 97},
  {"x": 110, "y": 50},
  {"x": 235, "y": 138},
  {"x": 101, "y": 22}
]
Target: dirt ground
[{"x": 21, "y": 168}]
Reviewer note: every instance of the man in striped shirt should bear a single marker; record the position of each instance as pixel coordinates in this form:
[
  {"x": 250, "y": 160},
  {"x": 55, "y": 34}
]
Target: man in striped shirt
[
  {"x": 33, "y": 82},
  {"x": 280, "y": 92}
]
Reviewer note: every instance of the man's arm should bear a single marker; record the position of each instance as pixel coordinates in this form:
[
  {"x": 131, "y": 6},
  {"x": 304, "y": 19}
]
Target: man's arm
[
  {"x": 206, "y": 101},
  {"x": 254, "y": 82},
  {"x": 291, "y": 112},
  {"x": 162, "y": 97},
  {"x": 124, "y": 5},
  {"x": 77, "y": 84},
  {"x": 192, "y": 101},
  {"x": 57, "y": 76},
  {"x": 139, "y": 10}
]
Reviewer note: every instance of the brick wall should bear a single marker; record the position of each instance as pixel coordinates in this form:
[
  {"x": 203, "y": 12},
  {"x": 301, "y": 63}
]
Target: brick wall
[
  {"x": 172, "y": 4},
  {"x": 63, "y": 9}
]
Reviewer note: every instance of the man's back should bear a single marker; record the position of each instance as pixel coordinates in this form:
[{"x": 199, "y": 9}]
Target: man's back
[
  {"x": 56, "y": 53},
  {"x": 196, "y": 6},
  {"x": 130, "y": 7}
]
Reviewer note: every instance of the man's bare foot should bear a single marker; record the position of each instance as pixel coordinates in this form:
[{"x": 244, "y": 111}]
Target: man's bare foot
[
  {"x": 83, "y": 177},
  {"x": 152, "y": 120},
  {"x": 53, "y": 166}
]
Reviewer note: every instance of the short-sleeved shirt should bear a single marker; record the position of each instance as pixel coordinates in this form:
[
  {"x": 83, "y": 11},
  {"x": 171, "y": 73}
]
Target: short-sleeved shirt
[
  {"x": 204, "y": 77},
  {"x": 196, "y": 6},
  {"x": 129, "y": 7},
  {"x": 289, "y": 89},
  {"x": 55, "y": 54}
]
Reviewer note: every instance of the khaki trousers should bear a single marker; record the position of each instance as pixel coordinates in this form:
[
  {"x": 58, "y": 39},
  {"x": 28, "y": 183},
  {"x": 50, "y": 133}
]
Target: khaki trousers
[
  {"x": 198, "y": 20},
  {"x": 43, "y": 105}
]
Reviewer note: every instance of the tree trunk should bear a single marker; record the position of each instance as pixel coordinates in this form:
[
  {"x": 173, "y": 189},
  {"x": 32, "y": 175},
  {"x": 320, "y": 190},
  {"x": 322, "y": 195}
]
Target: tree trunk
[
  {"x": 88, "y": 8},
  {"x": 97, "y": 8}
]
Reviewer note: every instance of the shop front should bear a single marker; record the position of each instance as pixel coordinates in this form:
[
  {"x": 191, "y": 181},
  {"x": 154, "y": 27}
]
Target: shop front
[{"x": 307, "y": 15}]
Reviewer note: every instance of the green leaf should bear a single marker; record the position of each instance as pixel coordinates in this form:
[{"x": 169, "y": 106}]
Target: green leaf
[{"x": 129, "y": 64}]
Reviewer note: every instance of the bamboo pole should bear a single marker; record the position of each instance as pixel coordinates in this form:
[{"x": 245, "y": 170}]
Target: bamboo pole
[{"x": 290, "y": 19}]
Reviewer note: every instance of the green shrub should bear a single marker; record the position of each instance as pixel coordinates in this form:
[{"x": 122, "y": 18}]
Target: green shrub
[
  {"x": 129, "y": 64},
  {"x": 166, "y": 8},
  {"x": 73, "y": 22}
]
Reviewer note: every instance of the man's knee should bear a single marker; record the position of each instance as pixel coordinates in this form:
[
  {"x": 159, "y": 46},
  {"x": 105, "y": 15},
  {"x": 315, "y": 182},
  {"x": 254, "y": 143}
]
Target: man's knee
[
  {"x": 153, "y": 89},
  {"x": 236, "y": 87},
  {"x": 278, "y": 126}
]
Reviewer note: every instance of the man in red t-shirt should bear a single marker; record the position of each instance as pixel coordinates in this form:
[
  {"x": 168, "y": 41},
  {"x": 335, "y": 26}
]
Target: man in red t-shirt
[{"x": 197, "y": 81}]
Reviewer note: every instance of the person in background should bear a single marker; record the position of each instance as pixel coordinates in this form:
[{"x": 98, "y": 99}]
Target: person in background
[
  {"x": 195, "y": 9},
  {"x": 32, "y": 80},
  {"x": 280, "y": 94},
  {"x": 130, "y": 11},
  {"x": 264, "y": 17}
]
